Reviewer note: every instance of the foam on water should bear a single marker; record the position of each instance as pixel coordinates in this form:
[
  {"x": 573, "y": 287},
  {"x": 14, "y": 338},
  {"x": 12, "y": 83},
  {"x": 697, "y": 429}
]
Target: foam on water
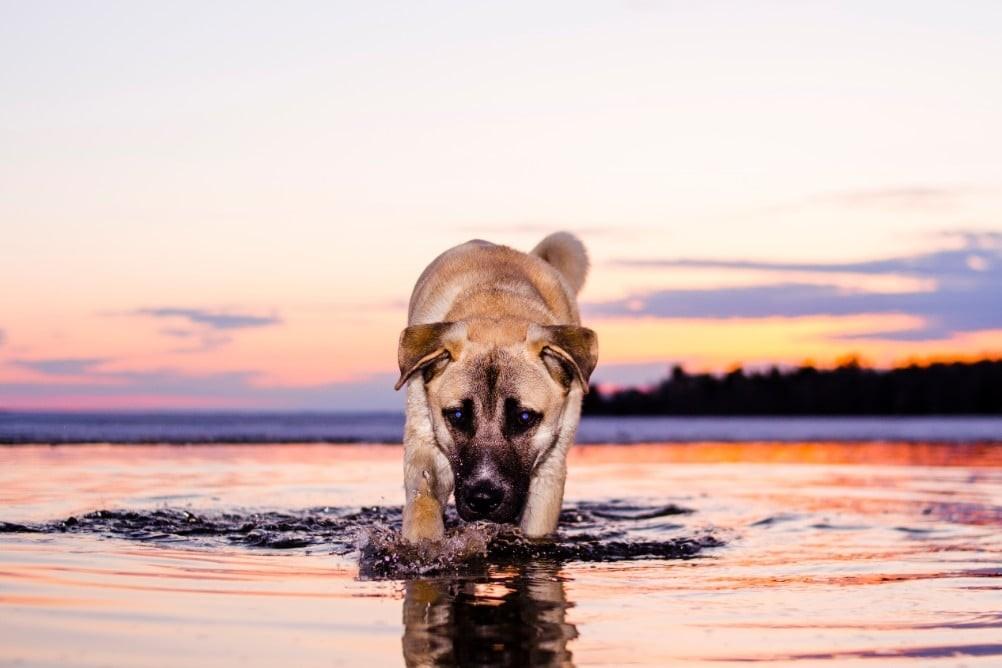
[{"x": 611, "y": 531}]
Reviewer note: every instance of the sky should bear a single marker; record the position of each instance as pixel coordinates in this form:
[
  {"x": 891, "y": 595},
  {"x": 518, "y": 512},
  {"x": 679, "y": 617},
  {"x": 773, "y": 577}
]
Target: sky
[{"x": 225, "y": 205}]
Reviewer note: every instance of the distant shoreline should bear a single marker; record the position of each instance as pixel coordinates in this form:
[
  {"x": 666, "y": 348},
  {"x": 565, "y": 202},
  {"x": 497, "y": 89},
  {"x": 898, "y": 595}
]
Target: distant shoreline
[
  {"x": 850, "y": 389},
  {"x": 175, "y": 428}
]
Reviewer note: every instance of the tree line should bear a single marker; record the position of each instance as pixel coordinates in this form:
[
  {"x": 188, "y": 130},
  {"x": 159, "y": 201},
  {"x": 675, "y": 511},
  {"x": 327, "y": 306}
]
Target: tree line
[{"x": 971, "y": 388}]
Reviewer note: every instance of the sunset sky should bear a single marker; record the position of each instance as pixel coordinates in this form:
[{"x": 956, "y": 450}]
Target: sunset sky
[{"x": 225, "y": 205}]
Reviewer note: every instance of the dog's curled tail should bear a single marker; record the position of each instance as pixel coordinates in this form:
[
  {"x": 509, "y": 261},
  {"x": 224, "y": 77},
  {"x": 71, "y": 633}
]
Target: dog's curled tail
[{"x": 567, "y": 254}]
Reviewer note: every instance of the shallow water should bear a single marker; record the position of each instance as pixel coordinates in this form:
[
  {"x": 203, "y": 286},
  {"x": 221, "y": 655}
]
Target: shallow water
[{"x": 849, "y": 554}]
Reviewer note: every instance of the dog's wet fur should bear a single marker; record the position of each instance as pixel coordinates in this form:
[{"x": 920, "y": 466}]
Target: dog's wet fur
[{"x": 495, "y": 362}]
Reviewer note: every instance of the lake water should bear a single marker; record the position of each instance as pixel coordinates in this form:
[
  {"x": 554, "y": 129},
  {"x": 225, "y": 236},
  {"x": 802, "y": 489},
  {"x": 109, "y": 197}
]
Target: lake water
[
  {"x": 333, "y": 427},
  {"x": 711, "y": 553}
]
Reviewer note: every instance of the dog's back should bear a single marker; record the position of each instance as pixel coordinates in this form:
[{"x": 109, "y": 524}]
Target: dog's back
[{"x": 479, "y": 279}]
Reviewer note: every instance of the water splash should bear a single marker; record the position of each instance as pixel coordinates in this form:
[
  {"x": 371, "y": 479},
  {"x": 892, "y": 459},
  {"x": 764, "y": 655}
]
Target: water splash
[{"x": 611, "y": 531}]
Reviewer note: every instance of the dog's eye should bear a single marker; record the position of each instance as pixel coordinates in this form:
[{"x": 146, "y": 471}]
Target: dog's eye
[
  {"x": 520, "y": 419},
  {"x": 460, "y": 417}
]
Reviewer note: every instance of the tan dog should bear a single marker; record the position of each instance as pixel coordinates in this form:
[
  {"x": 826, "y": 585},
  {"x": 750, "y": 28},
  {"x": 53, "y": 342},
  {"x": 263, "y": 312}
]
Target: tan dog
[{"x": 496, "y": 362}]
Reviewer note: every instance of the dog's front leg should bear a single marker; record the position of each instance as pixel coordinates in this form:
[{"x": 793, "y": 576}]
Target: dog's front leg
[
  {"x": 546, "y": 488},
  {"x": 427, "y": 475},
  {"x": 546, "y": 494},
  {"x": 426, "y": 493}
]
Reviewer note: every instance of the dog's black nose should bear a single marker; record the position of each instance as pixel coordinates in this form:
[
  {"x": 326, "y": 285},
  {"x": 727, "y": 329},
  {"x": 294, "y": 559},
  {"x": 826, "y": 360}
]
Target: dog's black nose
[{"x": 484, "y": 497}]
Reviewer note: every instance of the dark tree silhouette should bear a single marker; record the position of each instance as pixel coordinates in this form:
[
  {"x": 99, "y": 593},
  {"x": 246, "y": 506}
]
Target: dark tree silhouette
[{"x": 849, "y": 389}]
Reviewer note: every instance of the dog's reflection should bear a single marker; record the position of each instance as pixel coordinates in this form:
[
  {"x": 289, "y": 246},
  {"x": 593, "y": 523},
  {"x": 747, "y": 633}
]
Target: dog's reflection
[{"x": 514, "y": 617}]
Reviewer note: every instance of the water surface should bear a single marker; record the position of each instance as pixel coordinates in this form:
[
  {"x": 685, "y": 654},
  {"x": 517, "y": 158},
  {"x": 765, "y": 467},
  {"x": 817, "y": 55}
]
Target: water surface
[
  {"x": 869, "y": 554},
  {"x": 342, "y": 427}
]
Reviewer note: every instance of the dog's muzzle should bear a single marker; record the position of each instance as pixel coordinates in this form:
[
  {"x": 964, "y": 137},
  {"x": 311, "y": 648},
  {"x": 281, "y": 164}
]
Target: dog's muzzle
[{"x": 488, "y": 499}]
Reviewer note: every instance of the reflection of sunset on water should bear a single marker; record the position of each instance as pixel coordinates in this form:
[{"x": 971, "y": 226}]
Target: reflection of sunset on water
[{"x": 831, "y": 549}]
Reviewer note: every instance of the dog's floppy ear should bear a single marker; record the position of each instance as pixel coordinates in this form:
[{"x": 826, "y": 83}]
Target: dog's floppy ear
[
  {"x": 423, "y": 347},
  {"x": 570, "y": 353}
]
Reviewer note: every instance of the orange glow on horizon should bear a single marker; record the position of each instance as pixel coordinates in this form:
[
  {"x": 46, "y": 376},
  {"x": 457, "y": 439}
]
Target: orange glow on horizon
[{"x": 716, "y": 345}]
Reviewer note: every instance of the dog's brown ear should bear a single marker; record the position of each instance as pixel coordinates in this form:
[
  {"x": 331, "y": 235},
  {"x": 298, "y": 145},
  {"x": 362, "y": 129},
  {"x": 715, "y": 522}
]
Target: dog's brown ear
[
  {"x": 570, "y": 353},
  {"x": 422, "y": 347}
]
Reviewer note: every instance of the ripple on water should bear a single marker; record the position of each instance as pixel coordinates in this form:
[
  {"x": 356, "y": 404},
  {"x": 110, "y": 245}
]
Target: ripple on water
[{"x": 613, "y": 531}]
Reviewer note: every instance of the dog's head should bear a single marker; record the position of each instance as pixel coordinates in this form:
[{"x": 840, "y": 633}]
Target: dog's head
[{"x": 500, "y": 392}]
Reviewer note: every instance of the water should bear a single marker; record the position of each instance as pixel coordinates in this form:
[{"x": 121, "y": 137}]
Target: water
[
  {"x": 875, "y": 554},
  {"x": 609, "y": 531},
  {"x": 182, "y": 427}
]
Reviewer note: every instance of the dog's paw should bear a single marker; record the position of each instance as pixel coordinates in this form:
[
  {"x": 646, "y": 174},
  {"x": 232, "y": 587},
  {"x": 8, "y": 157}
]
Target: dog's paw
[{"x": 423, "y": 521}]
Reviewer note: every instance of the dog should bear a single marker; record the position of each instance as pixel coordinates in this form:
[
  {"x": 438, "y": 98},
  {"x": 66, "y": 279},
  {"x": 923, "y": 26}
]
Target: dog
[{"x": 496, "y": 363}]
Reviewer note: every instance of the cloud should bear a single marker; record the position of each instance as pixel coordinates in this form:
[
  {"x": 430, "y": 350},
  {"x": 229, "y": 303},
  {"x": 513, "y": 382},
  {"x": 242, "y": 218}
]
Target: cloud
[
  {"x": 232, "y": 389},
  {"x": 202, "y": 339},
  {"x": 61, "y": 366},
  {"x": 899, "y": 198},
  {"x": 965, "y": 297},
  {"x": 177, "y": 332},
  {"x": 213, "y": 319},
  {"x": 94, "y": 382},
  {"x": 204, "y": 329},
  {"x": 3, "y": 337},
  {"x": 975, "y": 239},
  {"x": 981, "y": 252}
]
